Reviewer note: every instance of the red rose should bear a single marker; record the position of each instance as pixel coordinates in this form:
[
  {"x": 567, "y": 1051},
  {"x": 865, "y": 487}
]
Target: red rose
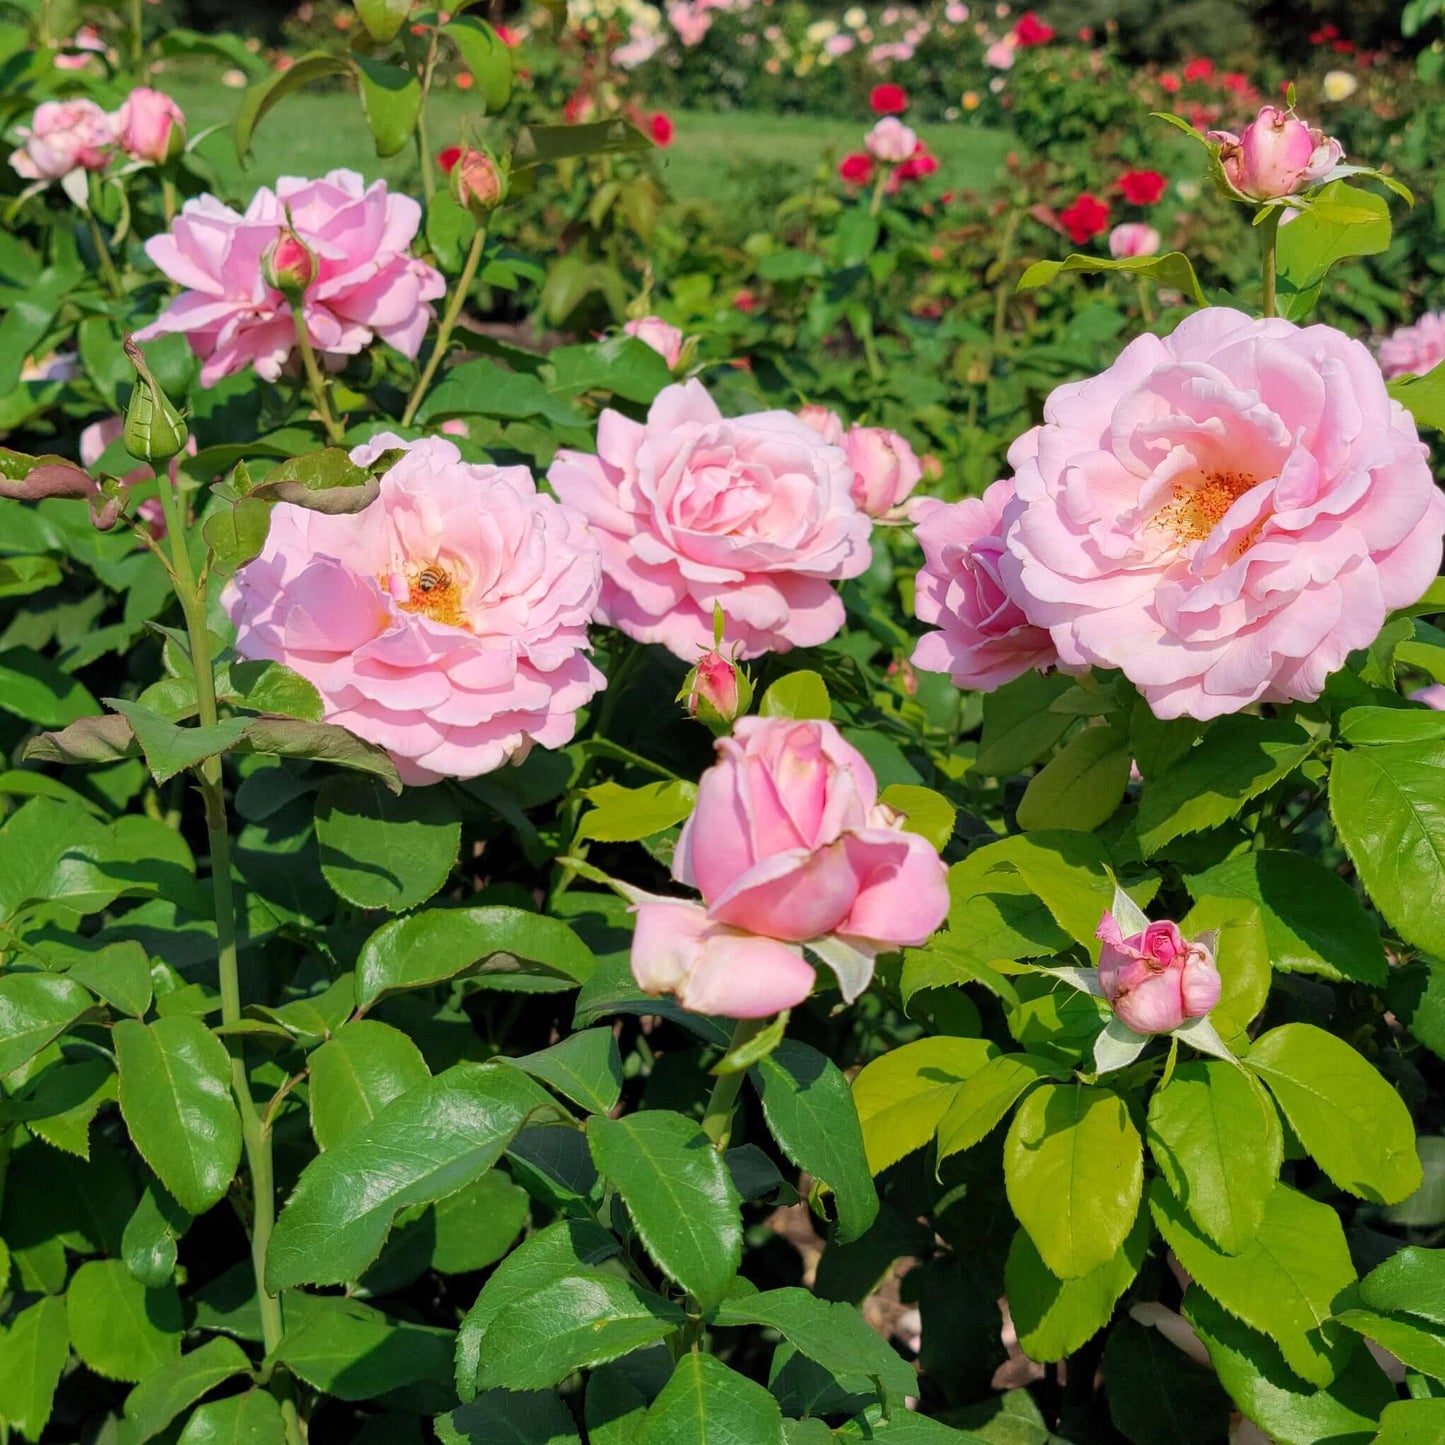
[
  {"x": 917, "y": 166},
  {"x": 448, "y": 158},
  {"x": 1032, "y": 31},
  {"x": 660, "y": 128},
  {"x": 745, "y": 301},
  {"x": 1085, "y": 218},
  {"x": 1169, "y": 81},
  {"x": 1200, "y": 69},
  {"x": 1236, "y": 82},
  {"x": 856, "y": 169},
  {"x": 888, "y": 99},
  {"x": 1142, "y": 188}
]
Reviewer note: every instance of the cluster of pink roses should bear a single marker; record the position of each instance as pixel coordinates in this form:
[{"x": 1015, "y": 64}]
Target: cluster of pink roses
[
  {"x": 70, "y": 135},
  {"x": 1223, "y": 515}
]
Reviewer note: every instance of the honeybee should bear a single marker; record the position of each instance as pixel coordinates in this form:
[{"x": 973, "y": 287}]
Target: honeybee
[{"x": 432, "y": 579}]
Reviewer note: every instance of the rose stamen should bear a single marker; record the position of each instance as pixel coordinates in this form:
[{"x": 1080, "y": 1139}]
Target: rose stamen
[
  {"x": 1195, "y": 511},
  {"x": 433, "y": 592}
]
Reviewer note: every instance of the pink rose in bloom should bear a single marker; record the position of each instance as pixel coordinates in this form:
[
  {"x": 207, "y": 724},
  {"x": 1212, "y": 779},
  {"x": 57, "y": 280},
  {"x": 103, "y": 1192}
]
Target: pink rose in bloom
[
  {"x": 367, "y": 283},
  {"x": 890, "y": 141},
  {"x": 1414, "y": 350},
  {"x": 691, "y": 22},
  {"x": 665, "y": 340},
  {"x": 1156, "y": 980},
  {"x": 446, "y": 623},
  {"x": 1432, "y": 696},
  {"x": 999, "y": 55},
  {"x": 693, "y": 508},
  {"x": 828, "y": 424},
  {"x": 1224, "y": 514},
  {"x": 1277, "y": 155},
  {"x": 63, "y": 136},
  {"x": 984, "y": 639},
  {"x": 787, "y": 845},
  {"x": 1133, "y": 238},
  {"x": 148, "y": 124},
  {"x": 885, "y": 468}
]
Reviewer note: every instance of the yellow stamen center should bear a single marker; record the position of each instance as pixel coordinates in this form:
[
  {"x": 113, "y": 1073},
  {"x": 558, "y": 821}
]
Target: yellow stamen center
[
  {"x": 1195, "y": 511},
  {"x": 435, "y": 594}
]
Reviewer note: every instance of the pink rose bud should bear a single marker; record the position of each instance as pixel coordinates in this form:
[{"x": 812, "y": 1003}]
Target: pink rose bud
[
  {"x": 290, "y": 265},
  {"x": 890, "y": 141},
  {"x": 717, "y": 690},
  {"x": 150, "y": 126},
  {"x": 1277, "y": 155},
  {"x": 885, "y": 468},
  {"x": 478, "y": 182},
  {"x": 1133, "y": 238},
  {"x": 1157, "y": 980},
  {"x": 63, "y": 136},
  {"x": 826, "y": 423},
  {"x": 664, "y": 339}
]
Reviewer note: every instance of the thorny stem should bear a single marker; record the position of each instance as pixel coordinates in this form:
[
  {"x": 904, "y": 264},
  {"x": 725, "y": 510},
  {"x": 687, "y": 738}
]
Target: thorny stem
[
  {"x": 717, "y": 1120},
  {"x": 314, "y": 378},
  {"x": 449, "y": 321}
]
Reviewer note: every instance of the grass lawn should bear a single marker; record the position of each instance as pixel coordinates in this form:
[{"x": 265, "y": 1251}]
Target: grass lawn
[{"x": 711, "y": 156}]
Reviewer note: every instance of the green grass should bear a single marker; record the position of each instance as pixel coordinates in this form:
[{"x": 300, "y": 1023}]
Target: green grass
[{"x": 713, "y": 157}]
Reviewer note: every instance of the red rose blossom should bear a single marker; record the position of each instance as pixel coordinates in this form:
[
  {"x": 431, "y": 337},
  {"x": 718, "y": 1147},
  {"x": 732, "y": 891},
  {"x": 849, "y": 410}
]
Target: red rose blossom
[
  {"x": 888, "y": 99},
  {"x": 448, "y": 158},
  {"x": 1032, "y": 31},
  {"x": 1142, "y": 188},
  {"x": 1084, "y": 218},
  {"x": 1169, "y": 81},
  {"x": 659, "y": 127},
  {"x": 856, "y": 169},
  {"x": 1200, "y": 69}
]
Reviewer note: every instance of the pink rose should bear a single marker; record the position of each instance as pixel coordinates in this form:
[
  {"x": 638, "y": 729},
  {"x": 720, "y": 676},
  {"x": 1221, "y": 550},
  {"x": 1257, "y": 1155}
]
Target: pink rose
[
  {"x": 1224, "y": 514},
  {"x": 787, "y": 845},
  {"x": 367, "y": 285},
  {"x": 885, "y": 468},
  {"x": 717, "y": 689},
  {"x": 1414, "y": 350},
  {"x": 1155, "y": 980},
  {"x": 447, "y": 622},
  {"x": 148, "y": 124},
  {"x": 1276, "y": 155},
  {"x": 63, "y": 136},
  {"x": 984, "y": 639},
  {"x": 828, "y": 424},
  {"x": 1432, "y": 696},
  {"x": 665, "y": 340},
  {"x": 693, "y": 508},
  {"x": 890, "y": 141},
  {"x": 1133, "y": 238},
  {"x": 999, "y": 55},
  {"x": 691, "y": 22}
]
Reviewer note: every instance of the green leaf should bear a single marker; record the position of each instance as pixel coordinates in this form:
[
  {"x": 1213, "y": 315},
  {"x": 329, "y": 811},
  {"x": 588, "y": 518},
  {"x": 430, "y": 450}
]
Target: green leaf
[
  {"x": 120, "y": 973},
  {"x": 1313, "y": 922},
  {"x": 618, "y": 1395},
  {"x": 540, "y": 145},
  {"x": 832, "y": 1335},
  {"x": 354, "y": 1352},
  {"x": 1342, "y": 221},
  {"x": 1252, "y": 1370},
  {"x": 319, "y": 743},
  {"x": 34, "y": 688},
  {"x": 428, "y": 1143},
  {"x": 392, "y": 99},
  {"x": 901, "y": 1095},
  {"x": 626, "y": 815},
  {"x": 170, "y": 749},
  {"x": 379, "y": 850},
  {"x": 925, "y": 812},
  {"x": 260, "y": 100},
  {"x": 1218, "y": 1143},
  {"x": 1158, "y": 1395},
  {"x": 706, "y": 1401},
  {"x": 148, "y": 1245},
  {"x": 1173, "y": 271},
  {"x": 586, "y": 1067},
  {"x": 355, "y": 1074},
  {"x": 60, "y": 1103},
  {"x": 486, "y": 56},
  {"x": 1389, "y": 806},
  {"x": 1371, "y": 726},
  {"x": 175, "y": 1096},
  {"x": 236, "y": 532},
  {"x": 679, "y": 1194},
  {"x": 1238, "y": 759},
  {"x": 1242, "y": 957},
  {"x": 809, "y": 1108},
  {"x": 515, "y": 1417},
  {"x": 166, "y": 1393},
  {"x": 797, "y": 695},
  {"x": 20, "y": 576},
  {"x": 1068, "y": 870},
  {"x": 482, "y": 388},
  {"x": 1080, "y": 786},
  {"x": 121, "y": 1329},
  {"x": 250, "y": 1419},
  {"x": 1018, "y": 728},
  {"x": 36, "y": 1008},
  {"x": 441, "y": 943},
  {"x": 383, "y": 18},
  {"x": 1074, "y": 1170},
  {"x": 1411, "y": 1281},
  {"x": 268, "y": 687},
  {"x": 450, "y": 228},
  {"x": 34, "y": 1347},
  {"x": 1411, "y": 1341},
  {"x": 1422, "y": 396},
  {"x": 1282, "y": 1283},
  {"x": 476, "y": 1227},
  {"x": 1055, "y": 1316},
  {"x": 987, "y": 1096},
  {"x": 1344, "y": 1113},
  {"x": 1412, "y": 1422}
]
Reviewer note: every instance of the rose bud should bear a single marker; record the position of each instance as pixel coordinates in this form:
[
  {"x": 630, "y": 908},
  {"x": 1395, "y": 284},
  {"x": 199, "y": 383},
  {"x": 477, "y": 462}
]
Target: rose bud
[
  {"x": 885, "y": 468},
  {"x": 1277, "y": 155},
  {"x": 716, "y": 691},
  {"x": 289, "y": 266},
  {"x": 478, "y": 182},
  {"x": 666, "y": 340},
  {"x": 1156, "y": 980},
  {"x": 150, "y": 126},
  {"x": 1133, "y": 238},
  {"x": 154, "y": 430}
]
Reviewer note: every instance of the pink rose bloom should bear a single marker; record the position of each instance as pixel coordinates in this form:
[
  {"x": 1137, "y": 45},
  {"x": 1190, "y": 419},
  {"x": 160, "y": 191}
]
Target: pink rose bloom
[
  {"x": 665, "y": 340},
  {"x": 999, "y": 55},
  {"x": 145, "y": 123},
  {"x": 63, "y": 136},
  {"x": 788, "y": 845},
  {"x": 984, "y": 639},
  {"x": 1133, "y": 238},
  {"x": 446, "y": 623},
  {"x": 1224, "y": 514},
  {"x": 828, "y": 424},
  {"x": 693, "y": 508},
  {"x": 1277, "y": 155},
  {"x": 368, "y": 284},
  {"x": 1432, "y": 696},
  {"x": 690, "y": 22},
  {"x": 1414, "y": 350},
  {"x": 890, "y": 141},
  {"x": 838, "y": 45},
  {"x": 885, "y": 468},
  {"x": 1155, "y": 980}
]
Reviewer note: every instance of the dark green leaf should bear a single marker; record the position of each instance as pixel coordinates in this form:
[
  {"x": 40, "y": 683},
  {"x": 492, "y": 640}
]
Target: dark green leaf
[
  {"x": 509, "y": 1417},
  {"x": 586, "y": 1067},
  {"x": 1158, "y": 1395},
  {"x": 355, "y": 1074},
  {"x": 34, "y": 1348},
  {"x": 486, "y": 56},
  {"x": 34, "y": 688},
  {"x": 706, "y": 1401},
  {"x": 34, "y": 1009},
  {"x": 540, "y": 145},
  {"x": 354, "y": 1352},
  {"x": 162, "y": 1396},
  {"x": 250, "y": 1419},
  {"x": 392, "y": 100}
]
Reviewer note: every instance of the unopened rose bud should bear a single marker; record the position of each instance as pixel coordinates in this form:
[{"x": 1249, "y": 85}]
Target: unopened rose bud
[
  {"x": 478, "y": 182},
  {"x": 289, "y": 266},
  {"x": 1156, "y": 980},
  {"x": 666, "y": 340},
  {"x": 885, "y": 468},
  {"x": 717, "y": 691},
  {"x": 150, "y": 126},
  {"x": 1277, "y": 155},
  {"x": 154, "y": 430}
]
